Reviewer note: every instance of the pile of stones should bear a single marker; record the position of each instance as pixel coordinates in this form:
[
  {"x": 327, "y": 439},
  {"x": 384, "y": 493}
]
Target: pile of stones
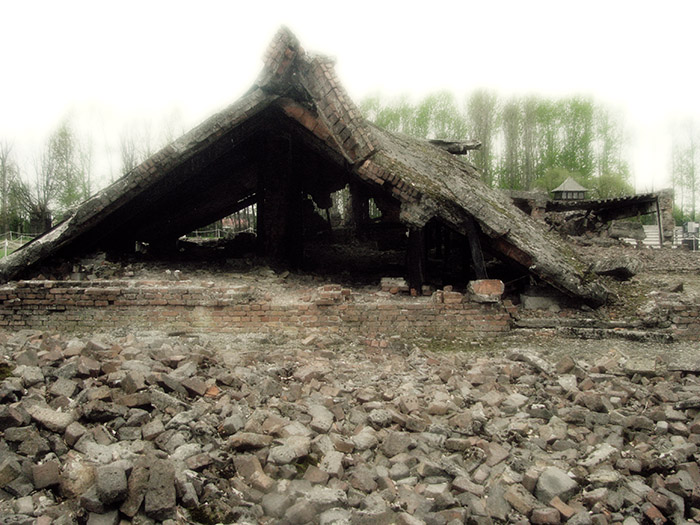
[{"x": 152, "y": 428}]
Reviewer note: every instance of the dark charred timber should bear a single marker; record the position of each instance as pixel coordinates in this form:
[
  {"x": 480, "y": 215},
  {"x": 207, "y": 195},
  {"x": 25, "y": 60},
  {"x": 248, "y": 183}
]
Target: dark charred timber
[
  {"x": 457, "y": 148},
  {"x": 477, "y": 255},
  {"x": 279, "y": 207},
  {"x": 417, "y": 259},
  {"x": 359, "y": 203}
]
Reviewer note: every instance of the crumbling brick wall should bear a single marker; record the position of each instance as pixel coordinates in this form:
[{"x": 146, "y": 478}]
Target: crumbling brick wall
[
  {"x": 80, "y": 306},
  {"x": 685, "y": 319}
]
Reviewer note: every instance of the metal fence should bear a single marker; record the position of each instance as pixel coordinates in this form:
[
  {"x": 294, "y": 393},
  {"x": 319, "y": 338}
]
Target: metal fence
[
  {"x": 11, "y": 241},
  {"x": 688, "y": 237}
]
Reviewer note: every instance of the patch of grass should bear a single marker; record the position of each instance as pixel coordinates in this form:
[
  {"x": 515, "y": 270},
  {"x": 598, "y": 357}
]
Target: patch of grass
[
  {"x": 201, "y": 514},
  {"x": 14, "y": 245},
  {"x": 631, "y": 295},
  {"x": 212, "y": 514},
  {"x": 304, "y": 463},
  {"x": 5, "y": 370}
]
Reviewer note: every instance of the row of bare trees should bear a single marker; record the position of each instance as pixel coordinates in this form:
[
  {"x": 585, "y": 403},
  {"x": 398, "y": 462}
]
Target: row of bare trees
[
  {"x": 37, "y": 193},
  {"x": 685, "y": 170},
  {"x": 60, "y": 178}
]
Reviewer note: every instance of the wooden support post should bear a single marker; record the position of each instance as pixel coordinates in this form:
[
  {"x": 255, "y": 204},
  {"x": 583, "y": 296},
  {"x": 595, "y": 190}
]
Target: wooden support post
[
  {"x": 660, "y": 222},
  {"x": 280, "y": 228},
  {"x": 416, "y": 259},
  {"x": 477, "y": 255},
  {"x": 260, "y": 210},
  {"x": 359, "y": 202},
  {"x": 295, "y": 212},
  {"x": 439, "y": 241}
]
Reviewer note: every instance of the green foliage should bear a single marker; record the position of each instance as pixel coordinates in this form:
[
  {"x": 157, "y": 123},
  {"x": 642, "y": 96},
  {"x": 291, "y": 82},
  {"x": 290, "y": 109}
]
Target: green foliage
[
  {"x": 576, "y": 153},
  {"x": 609, "y": 185},
  {"x": 509, "y": 172},
  {"x": 685, "y": 167},
  {"x": 61, "y": 181},
  {"x": 9, "y": 173},
  {"x": 436, "y": 116},
  {"x": 5, "y": 370},
  {"x": 527, "y": 142},
  {"x": 647, "y": 219},
  {"x": 680, "y": 217},
  {"x": 482, "y": 114},
  {"x": 62, "y": 153}
]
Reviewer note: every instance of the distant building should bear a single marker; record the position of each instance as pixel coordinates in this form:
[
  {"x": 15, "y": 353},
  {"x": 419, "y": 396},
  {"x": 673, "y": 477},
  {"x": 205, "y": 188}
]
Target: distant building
[{"x": 570, "y": 190}]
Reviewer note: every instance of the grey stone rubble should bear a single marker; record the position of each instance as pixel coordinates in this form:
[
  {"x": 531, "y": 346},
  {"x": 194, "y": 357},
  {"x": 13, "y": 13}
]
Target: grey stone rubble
[{"x": 153, "y": 428}]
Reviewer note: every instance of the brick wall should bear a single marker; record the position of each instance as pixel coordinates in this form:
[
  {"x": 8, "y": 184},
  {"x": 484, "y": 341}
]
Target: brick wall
[
  {"x": 164, "y": 305},
  {"x": 685, "y": 319}
]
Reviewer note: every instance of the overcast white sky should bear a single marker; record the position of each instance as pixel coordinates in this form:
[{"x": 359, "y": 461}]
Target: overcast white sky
[{"x": 111, "y": 63}]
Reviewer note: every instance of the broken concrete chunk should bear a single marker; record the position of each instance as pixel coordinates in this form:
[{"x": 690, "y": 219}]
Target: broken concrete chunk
[
  {"x": 533, "y": 360},
  {"x": 396, "y": 442},
  {"x": 394, "y": 285},
  {"x": 621, "y": 267},
  {"x": 13, "y": 416},
  {"x": 9, "y": 470},
  {"x": 332, "y": 463},
  {"x": 601, "y": 453},
  {"x": 554, "y": 482},
  {"x": 53, "y": 420},
  {"x": 63, "y": 387},
  {"x": 249, "y": 440},
  {"x": 77, "y": 476},
  {"x": 195, "y": 386},
  {"x": 160, "y": 498},
  {"x": 110, "y": 483},
  {"x": 520, "y": 499},
  {"x": 137, "y": 485},
  {"x": 322, "y": 418},
  {"x": 46, "y": 474},
  {"x": 30, "y": 375},
  {"x": 485, "y": 290}
]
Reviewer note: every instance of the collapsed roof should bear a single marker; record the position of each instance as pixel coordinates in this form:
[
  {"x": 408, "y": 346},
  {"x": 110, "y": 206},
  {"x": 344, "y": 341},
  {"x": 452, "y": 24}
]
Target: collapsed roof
[{"x": 293, "y": 130}]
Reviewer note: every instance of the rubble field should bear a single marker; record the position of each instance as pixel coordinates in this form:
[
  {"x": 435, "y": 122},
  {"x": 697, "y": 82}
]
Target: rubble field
[{"x": 331, "y": 427}]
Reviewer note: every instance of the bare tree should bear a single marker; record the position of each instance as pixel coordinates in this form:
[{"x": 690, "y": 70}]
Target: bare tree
[
  {"x": 8, "y": 173},
  {"x": 62, "y": 179},
  {"x": 511, "y": 126},
  {"x": 482, "y": 110},
  {"x": 128, "y": 153},
  {"x": 686, "y": 164},
  {"x": 85, "y": 154},
  {"x": 135, "y": 146},
  {"x": 37, "y": 199},
  {"x": 172, "y": 126}
]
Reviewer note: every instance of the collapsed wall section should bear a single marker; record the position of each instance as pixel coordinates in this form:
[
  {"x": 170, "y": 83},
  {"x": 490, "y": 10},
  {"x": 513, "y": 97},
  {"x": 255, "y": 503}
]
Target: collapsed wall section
[{"x": 80, "y": 306}]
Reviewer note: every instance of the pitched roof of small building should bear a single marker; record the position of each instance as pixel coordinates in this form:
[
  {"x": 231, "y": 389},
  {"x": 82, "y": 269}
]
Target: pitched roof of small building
[
  {"x": 206, "y": 174},
  {"x": 569, "y": 185}
]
